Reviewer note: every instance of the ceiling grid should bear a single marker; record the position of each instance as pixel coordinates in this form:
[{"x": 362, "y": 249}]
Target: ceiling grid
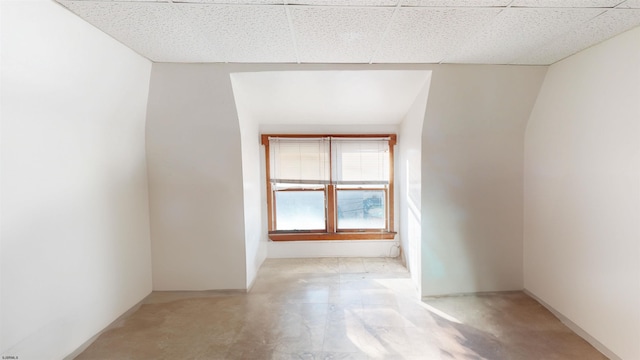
[
  {"x": 522, "y": 32},
  {"x": 293, "y": 34},
  {"x": 384, "y": 34}
]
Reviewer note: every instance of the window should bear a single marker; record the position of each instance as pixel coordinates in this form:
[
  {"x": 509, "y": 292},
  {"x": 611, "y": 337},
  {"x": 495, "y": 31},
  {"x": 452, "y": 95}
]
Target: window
[{"x": 330, "y": 187}]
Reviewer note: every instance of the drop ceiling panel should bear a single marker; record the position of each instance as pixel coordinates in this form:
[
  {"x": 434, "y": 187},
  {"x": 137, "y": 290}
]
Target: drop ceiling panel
[
  {"x": 232, "y": 2},
  {"x": 600, "y": 29},
  {"x": 426, "y": 35},
  {"x": 456, "y": 3},
  {"x": 567, "y": 3},
  {"x": 243, "y": 33},
  {"x": 338, "y": 35},
  {"x": 158, "y": 31},
  {"x": 359, "y": 31},
  {"x": 164, "y": 1},
  {"x": 516, "y": 32},
  {"x": 344, "y": 3}
]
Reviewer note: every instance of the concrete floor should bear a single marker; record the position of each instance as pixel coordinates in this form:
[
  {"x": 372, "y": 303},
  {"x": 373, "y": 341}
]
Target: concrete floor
[{"x": 337, "y": 308}]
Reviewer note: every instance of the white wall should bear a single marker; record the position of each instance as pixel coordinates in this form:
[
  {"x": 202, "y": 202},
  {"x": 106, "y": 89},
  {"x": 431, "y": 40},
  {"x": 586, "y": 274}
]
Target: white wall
[
  {"x": 331, "y": 248},
  {"x": 253, "y": 175},
  {"x": 409, "y": 185},
  {"x": 75, "y": 227},
  {"x": 471, "y": 160},
  {"x": 472, "y": 176},
  {"x": 194, "y": 159},
  {"x": 582, "y": 193}
]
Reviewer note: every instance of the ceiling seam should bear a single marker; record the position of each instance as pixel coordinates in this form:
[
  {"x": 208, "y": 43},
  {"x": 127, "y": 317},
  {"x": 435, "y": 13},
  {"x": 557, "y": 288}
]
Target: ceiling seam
[
  {"x": 292, "y": 33},
  {"x": 619, "y": 6},
  {"x": 385, "y": 33}
]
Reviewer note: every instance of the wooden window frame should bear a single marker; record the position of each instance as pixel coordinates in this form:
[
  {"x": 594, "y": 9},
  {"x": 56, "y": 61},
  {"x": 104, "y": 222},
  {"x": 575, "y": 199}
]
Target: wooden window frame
[
  {"x": 324, "y": 190},
  {"x": 331, "y": 232}
]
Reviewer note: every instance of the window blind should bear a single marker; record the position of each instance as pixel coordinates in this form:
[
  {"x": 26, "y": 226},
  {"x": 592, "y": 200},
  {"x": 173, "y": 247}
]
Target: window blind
[
  {"x": 360, "y": 161},
  {"x": 299, "y": 160}
]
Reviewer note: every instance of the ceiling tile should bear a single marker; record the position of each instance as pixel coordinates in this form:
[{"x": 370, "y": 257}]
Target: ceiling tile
[
  {"x": 344, "y": 3},
  {"x": 158, "y": 31},
  {"x": 338, "y": 35},
  {"x": 427, "y": 34},
  {"x": 359, "y": 31},
  {"x": 244, "y": 33},
  {"x": 164, "y": 1},
  {"x": 567, "y": 3},
  {"x": 516, "y": 32},
  {"x": 233, "y": 2},
  {"x": 456, "y": 3},
  {"x": 595, "y": 31},
  {"x": 631, "y": 4},
  {"x": 182, "y": 32}
]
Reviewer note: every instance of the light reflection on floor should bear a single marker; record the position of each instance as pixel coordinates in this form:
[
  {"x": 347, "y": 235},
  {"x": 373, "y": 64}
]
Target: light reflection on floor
[{"x": 338, "y": 308}]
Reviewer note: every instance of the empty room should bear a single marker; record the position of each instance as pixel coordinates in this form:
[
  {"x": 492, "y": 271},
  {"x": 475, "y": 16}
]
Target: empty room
[{"x": 320, "y": 179}]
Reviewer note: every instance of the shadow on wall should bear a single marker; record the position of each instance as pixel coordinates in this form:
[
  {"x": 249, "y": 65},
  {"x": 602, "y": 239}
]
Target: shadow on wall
[
  {"x": 472, "y": 178},
  {"x": 445, "y": 254},
  {"x": 472, "y": 221}
]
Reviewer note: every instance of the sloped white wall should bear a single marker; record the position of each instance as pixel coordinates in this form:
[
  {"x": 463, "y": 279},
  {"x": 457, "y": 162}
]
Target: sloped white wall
[
  {"x": 409, "y": 184},
  {"x": 253, "y": 175},
  {"x": 582, "y": 193},
  {"x": 472, "y": 174},
  {"x": 75, "y": 226},
  {"x": 194, "y": 158}
]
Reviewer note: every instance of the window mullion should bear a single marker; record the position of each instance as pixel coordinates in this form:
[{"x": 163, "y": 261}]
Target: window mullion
[
  {"x": 331, "y": 208},
  {"x": 390, "y": 194},
  {"x": 270, "y": 196}
]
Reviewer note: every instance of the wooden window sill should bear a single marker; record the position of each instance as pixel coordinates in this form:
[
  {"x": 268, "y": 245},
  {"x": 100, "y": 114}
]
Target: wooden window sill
[{"x": 343, "y": 235}]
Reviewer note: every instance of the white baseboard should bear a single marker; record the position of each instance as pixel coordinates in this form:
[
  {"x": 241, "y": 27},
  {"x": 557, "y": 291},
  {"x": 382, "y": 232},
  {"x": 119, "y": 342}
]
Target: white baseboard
[
  {"x": 311, "y": 249},
  {"x": 577, "y": 329}
]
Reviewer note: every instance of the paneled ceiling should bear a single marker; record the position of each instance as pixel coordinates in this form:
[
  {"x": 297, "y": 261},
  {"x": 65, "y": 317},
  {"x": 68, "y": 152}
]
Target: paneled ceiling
[{"x": 532, "y": 32}]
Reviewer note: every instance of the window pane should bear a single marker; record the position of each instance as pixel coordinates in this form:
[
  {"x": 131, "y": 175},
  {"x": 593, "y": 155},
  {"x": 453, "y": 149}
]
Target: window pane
[
  {"x": 300, "y": 210},
  {"x": 361, "y": 209}
]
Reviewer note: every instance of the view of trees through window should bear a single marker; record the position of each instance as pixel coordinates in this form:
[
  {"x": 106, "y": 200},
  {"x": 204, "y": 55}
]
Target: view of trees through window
[{"x": 361, "y": 209}]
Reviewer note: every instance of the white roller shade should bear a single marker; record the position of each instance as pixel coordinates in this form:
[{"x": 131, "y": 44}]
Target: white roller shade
[
  {"x": 360, "y": 161},
  {"x": 299, "y": 160}
]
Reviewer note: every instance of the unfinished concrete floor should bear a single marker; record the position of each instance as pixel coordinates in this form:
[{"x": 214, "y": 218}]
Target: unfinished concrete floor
[{"x": 337, "y": 308}]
